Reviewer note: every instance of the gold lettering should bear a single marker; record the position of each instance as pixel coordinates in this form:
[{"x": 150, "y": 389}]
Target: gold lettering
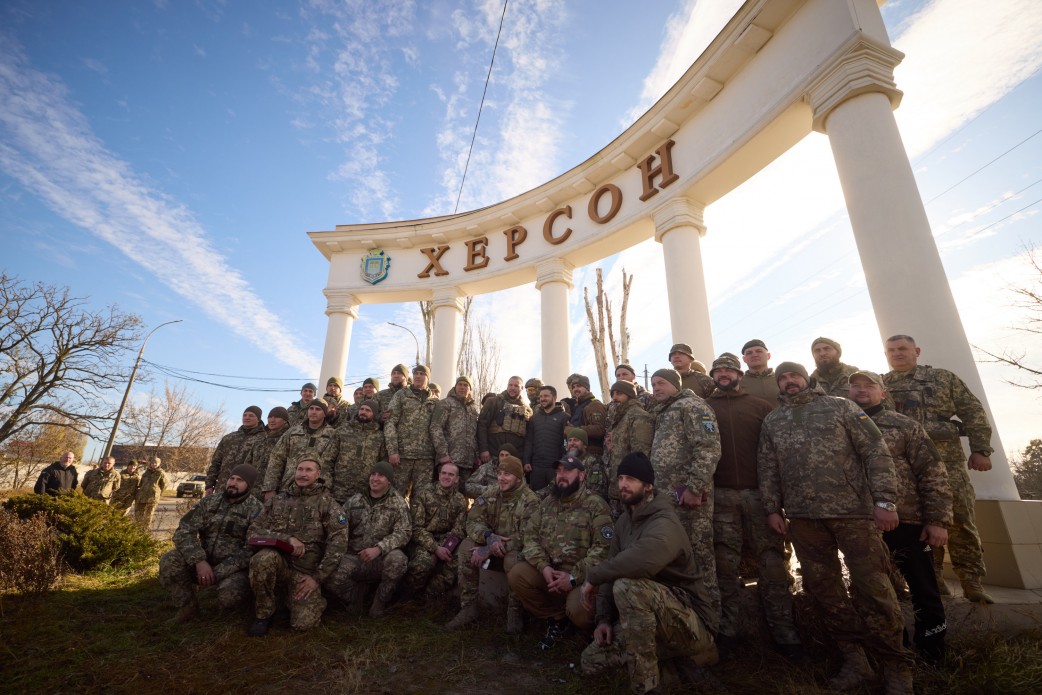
[
  {"x": 476, "y": 250},
  {"x": 548, "y": 226},
  {"x": 434, "y": 262},
  {"x": 613, "y": 209},
  {"x": 665, "y": 169},
  {"x": 515, "y": 237}
]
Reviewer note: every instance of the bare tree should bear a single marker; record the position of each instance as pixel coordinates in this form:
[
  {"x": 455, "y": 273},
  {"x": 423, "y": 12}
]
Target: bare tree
[
  {"x": 602, "y": 328},
  {"x": 480, "y": 358},
  {"x": 1030, "y": 299},
  {"x": 57, "y": 358},
  {"x": 23, "y": 457},
  {"x": 468, "y": 302},
  {"x": 175, "y": 422},
  {"x": 427, "y": 313}
]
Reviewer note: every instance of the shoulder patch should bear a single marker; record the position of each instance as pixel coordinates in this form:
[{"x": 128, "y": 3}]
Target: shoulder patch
[
  {"x": 607, "y": 532},
  {"x": 341, "y": 519},
  {"x": 480, "y": 501},
  {"x": 709, "y": 426}
]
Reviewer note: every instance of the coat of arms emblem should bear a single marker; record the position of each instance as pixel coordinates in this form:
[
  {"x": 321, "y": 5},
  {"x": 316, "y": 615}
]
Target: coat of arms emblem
[{"x": 375, "y": 265}]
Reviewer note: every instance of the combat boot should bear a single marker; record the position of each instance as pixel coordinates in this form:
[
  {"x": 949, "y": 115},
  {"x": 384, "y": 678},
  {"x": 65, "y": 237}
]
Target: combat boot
[
  {"x": 185, "y": 613},
  {"x": 515, "y": 617},
  {"x": 855, "y": 670},
  {"x": 467, "y": 615},
  {"x": 973, "y": 591},
  {"x": 898, "y": 679},
  {"x": 556, "y": 630},
  {"x": 259, "y": 627}
]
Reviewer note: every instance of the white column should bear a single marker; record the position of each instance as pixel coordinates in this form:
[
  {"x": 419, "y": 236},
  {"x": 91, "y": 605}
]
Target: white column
[
  {"x": 553, "y": 280},
  {"x": 910, "y": 294},
  {"x": 679, "y": 227},
  {"x": 342, "y": 310},
  {"x": 445, "y": 347}
]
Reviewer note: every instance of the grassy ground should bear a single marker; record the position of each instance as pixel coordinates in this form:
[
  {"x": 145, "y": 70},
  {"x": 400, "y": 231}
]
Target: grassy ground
[{"x": 107, "y": 633}]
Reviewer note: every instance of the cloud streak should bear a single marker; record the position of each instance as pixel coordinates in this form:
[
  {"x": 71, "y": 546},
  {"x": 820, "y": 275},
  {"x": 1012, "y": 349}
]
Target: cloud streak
[{"x": 48, "y": 146}]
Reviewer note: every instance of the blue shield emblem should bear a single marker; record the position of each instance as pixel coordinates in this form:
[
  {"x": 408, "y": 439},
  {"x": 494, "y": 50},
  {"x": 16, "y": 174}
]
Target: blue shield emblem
[{"x": 375, "y": 265}]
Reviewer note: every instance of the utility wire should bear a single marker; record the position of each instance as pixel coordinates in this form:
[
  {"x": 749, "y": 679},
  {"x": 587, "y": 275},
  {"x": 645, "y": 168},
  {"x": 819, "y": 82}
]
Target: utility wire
[
  {"x": 474, "y": 135},
  {"x": 982, "y": 167}
]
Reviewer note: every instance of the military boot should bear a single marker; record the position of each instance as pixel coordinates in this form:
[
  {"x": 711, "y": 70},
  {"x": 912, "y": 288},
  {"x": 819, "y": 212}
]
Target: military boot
[
  {"x": 515, "y": 616},
  {"x": 855, "y": 670},
  {"x": 467, "y": 615},
  {"x": 185, "y": 613},
  {"x": 898, "y": 679},
  {"x": 973, "y": 591}
]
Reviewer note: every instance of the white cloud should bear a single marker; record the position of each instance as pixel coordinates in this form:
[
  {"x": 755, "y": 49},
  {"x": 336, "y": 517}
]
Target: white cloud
[{"x": 49, "y": 147}]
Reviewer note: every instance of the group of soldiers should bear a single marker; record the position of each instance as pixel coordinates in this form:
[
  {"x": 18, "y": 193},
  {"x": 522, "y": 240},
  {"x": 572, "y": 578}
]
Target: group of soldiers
[{"x": 627, "y": 522}]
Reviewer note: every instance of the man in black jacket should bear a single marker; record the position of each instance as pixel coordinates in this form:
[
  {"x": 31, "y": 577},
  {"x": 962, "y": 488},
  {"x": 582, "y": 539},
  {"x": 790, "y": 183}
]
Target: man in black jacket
[
  {"x": 544, "y": 440},
  {"x": 60, "y": 475}
]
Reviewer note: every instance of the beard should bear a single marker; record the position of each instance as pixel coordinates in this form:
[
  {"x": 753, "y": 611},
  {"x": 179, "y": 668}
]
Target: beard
[
  {"x": 729, "y": 386},
  {"x": 231, "y": 494},
  {"x": 632, "y": 499},
  {"x": 364, "y": 419},
  {"x": 559, "y": 492}
]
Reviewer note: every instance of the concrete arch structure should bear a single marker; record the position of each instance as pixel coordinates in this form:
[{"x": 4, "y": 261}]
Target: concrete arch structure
[{"x": 778, "y": 70}]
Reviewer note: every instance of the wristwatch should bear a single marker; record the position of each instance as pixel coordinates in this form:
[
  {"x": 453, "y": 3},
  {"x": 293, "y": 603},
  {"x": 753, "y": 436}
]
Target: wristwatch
[
  {"x": 888, "y": 506},
  {"x": 571, "y": 578}
]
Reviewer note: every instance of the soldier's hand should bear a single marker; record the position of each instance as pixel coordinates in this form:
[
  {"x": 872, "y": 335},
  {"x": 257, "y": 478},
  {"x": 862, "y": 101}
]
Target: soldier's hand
[
  {"x": 777, "y": 523},
  {"x": 498, "y": 548},
  {"x": 298, "y": 547},
  {"x": 443, "y": 554},
  {"x": 528, "y": 468},
  {"x": 477, "y": 556},
  {"x": 587, "y": 593},
  {"x": 445, "y": 459},
  {"x": 485, "y": 457},
  {"x": 306, "y": 585},
  {"x": 935, "y": 536},
  {"x": 979, "y": 462},
  {"x": 268, "y": 495},
  {"x": 394, "y": 460},
  {"x": 369, "y": 554},
  {"x": 602, "y": 635},
  {"x": 885, "y": 521},
  {"x": 204, "y": 574},
  {"x": 691, "y": 500},
  {"x": 208, "y": 492}
]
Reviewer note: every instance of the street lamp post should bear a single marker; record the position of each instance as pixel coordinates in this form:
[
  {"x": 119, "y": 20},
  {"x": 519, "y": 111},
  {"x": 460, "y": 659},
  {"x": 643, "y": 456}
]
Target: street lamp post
[
  {"x": 130, "y": 383},
  {"x": 391, "y": 323}
]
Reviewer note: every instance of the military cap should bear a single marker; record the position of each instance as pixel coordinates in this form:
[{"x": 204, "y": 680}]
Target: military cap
[
  {"x": 534, "y": 383},
  {"x": 385, "y": 469},
  {"x": 255, "y": 409},
  {"x": 278, "y": 411},
  {"x": 372, "y": 381},
  {"x": 335, "y": 380},
  {"x": 512, "y": 465},
  {"x": 794, "y": 367},
  {"x": 571, "y": 463},
  {"x": 726, "y": 361},
  {"x": 580, "y": 434},
  {"x": 624, "y": 387},
  {"x": 669, "y": 374},
  {"x": 310, "y": 455},
  {"x": 827, "y": 341},
  {"x": 637, "y": 465},
  {"x": 871, "y": 376},
  {"x": 581, "y": 380},
  {"x": 246, "y": 472},
  {"x": 755, "y": 342},
  {"x": 571, "y": 379},
  {"x": 682, "y": 348}
]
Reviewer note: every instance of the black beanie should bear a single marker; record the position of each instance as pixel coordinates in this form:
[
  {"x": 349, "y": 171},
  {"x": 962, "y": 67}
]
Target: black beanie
[{"x": 637, "y": 465}]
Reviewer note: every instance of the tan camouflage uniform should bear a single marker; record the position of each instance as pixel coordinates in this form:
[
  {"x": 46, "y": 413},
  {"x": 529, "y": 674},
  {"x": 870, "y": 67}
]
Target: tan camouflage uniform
[
  {"x": 149, "y": 490},
  {"x": 214, "y": 531},
  {"x": 503, "y": 420},
  {"x": 762, "y": 385},
  {"x": 482, "y": 479},
  {"x": 436, "y": 514},
  {"x": 282, "y": 464},
  {"x": 101, "y": 485},
  {"x": 233, "y": 449},
  {"x": 298, "y": 412},
  {"x": 407, "y": 433},
  {"x": 700, "y": 384},
  {"x": 632, "y": 429},
  {"x": 350, "y": 456},
  {"x": 125, "y": 495},
  {"x": 834, "y": 381},
  {"x": 260, "y": 455},
  {"x": 314, "y": 518},
  {"x": 384, "y": 396},
  {"x": 454, "y": 433}
]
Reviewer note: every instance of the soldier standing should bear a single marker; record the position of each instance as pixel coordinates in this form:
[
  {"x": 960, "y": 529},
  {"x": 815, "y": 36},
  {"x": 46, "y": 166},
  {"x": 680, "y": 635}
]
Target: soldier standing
[
  {"x": 830, "y": 373},
  {"x": 369, "y": 393},
  {"x": 149, "y": 490},
  {"x": 234, "y": 448},
  {"x": 407, "y": 434},
  {"x": 825, "y": 466},
  {"x": 59, "y": 476},
  {"x": 631, "y": 429},
  {"x": 379, "y": 528},
  {"x": 210, "y": 547},
  {"x": 353, "y": 451},
  {"x": 102, "y": 482},
  {"x": 298, "y": 410},
  {"x": 759, "y": 379},
  {"x": 334, "y": 391},
  {"x": 438, "y": 517},
  {"x": 588, "y": 414},
  {"x": 683, "y": 360},
  {"x": 532, "y": 388},
  {"x": 544, "y": 443},
  {"x": 933, "y": 397},
  {"x": 260, "y": 451},
  {"x": 312, "y": 434},
  {"x": 503, "y": 420},
  {"x": 315, "y": 526},
  {"x": 129, "y": 479},
  {"x": 399, "y": 380},
  {"x": 454, "y": 429}
]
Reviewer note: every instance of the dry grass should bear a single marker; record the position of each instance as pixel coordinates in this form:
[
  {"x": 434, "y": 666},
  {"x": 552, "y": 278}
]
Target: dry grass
[{"x": 30, "y": 553}]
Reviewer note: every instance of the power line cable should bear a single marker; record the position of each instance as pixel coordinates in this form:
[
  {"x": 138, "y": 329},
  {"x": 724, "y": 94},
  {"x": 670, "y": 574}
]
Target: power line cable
[{"x": 982, "y": 167}]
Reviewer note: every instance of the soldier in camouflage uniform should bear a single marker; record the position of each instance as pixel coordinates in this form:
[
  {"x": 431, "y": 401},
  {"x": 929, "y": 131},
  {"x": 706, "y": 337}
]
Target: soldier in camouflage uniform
[
  {"x": 380, "y": 527},
  {"x": 759, "y": 379},
  {"x": 588, "y": 414},
  {"x": 370, "y": 387},
  {"x": 210, "y": 547},
  {"x": 566, "y": 535},
  {"x": 503, "y": 420},
  {"x": 487, "y": 474},
  {"x": 495, "y": 526},
  {"x": 829, "y": 372},
  {"x": 932, "y": 397},
  {"x": 149, "y": 490},
  {"x": 824, "y": 465},
  {"x": 651, "y": 600},
  {"x": 260, "y": 452},
  {"x": 298, "y": 410},
  {"x": 454, "y": 429},
  {"x": 129, "y": 479},
  {"x": 596, "y": 478},
  {"x": 738, "y": 516},
  {"x": 234, "y": 448},
  {"x": 311, "y": 521},
  {"x": 438, "y": 518},
  {"x": 924, "y": 508},
  {"x": 685, "y": 451},
  {"x": 353, "y": 452},
  {"x": 683, "y": 360},
  {"x": 399, "y": 380},
  {"x": 334, "y": 392},
  {"x": 631, "y": 429},
  {"x": 407, "y": 434},
  {"x": 103, "y": 482},
  {"x": 311, "y": 435}
]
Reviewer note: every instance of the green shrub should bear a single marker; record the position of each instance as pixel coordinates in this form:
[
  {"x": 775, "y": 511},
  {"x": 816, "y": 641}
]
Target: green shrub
[
  {"x": 91, "y": 533},
  {"x": 30, "y": 553}
]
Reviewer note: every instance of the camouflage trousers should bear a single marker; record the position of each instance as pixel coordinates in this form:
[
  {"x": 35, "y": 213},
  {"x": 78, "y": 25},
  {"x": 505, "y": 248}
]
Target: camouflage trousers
[
  {"x": 698, "y": 522},
  {"x": 270, "y": 572},
  {"x": 528, "y": 584},
  {"x": 654, "y": 625},
  {"x": 122, "y": 503},
  {"x": 468, "y": 575},
  {"x": 874, "y": 620},
  {"x": 387, "y": 570},
  {"x": 179, "y": 579},
  {"x": 738, "y": 515},
  {"x": 964, "y": 545},
  {"x": 143, "y": 513},
  {"x": 428, "y": 572},
  {"x": 413, "y": 475}
]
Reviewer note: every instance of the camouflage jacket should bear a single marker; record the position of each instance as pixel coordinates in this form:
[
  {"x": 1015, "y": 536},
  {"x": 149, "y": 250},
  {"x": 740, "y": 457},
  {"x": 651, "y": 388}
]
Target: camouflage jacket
[
  {"x": 127, "y": 491},
  {"x": 596, "y": 475},
  {"x": 644, "y": 397},
  {"x": 313, "y": 518},
  {"x": 700, "y": 384},
  {"x": 632, "y": 429},
  {"x": 407, "y": 431},
  {"x": 233, "y": 449},
  {"x": 932, "y": 396},
  {"x": 260, "y": 454},
  {"x": 822, "y": 457},
  {"x": 503, "y": 419},
  {"x": 99, "y": 484},
  {"x": 589, "y": 415},
  {"x": 502, "y": 513},
  {"x": 383, "y": 522},
  {"x": 298, "y": 412},
  {"x": 282, "y": 464},
  {"x": 437, "y": 513},
  {"x": 686, "y": 446},
  {"x": 570, "y": 535},
  {"x": 923, "y": 494},
  {"x": 454, "y": 430},
  {"x": 214, "y": 530},
  {"x": 384, "y": 396},
  {"x": 350, "y": 456},
  {"x": 834, "y": 381},
  {"x": 762, "y": 385},
  {"x": 482, "y": 479},
  {"x": 150, "y": 487}
]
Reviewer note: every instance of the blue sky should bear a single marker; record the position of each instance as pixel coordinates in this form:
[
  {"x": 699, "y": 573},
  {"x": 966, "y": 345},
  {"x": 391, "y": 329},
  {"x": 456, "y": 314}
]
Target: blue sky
[{"x": 170, "y": 157}]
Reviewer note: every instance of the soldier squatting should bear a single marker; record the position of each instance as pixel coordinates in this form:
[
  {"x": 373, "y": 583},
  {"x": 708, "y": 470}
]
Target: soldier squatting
[{"x": 625, "y": 523}]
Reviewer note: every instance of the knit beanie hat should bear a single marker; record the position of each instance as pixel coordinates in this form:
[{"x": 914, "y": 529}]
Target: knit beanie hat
[
  {"x": 624, "y": 366},
  {"x": 278, "y": 411},
  {"x": 422, "y": 368},
  {"x": 401, "y": 369},
  {"x": 511, "y": 449},
  {"x": 576, "y": 433},
  {"x": 512, "y": 465},
  {"x": 246, "y": 472},
  {"x": 670, "y": 375},
  {"x": 794, "y": 367},
  {"x": 385, "y": 469},
  {"x": 827, "y": 341},
  {"x": 309, "y": 385},
  {"x": 465, "y": 378},
  {"x": 255, "y": 409},
  {"x": 372, "y": 404},
  {"x": 372, "y": 381},
  {"x": 624, "y": 387},
  {"x": 321, "y": 403},
  {"x": 637, "y": 465},
  {"x": 755, "y": 342},
  {"x": 335, "y": 380}
]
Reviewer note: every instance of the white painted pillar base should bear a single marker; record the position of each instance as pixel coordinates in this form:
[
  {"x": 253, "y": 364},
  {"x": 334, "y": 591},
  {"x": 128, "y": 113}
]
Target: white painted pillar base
[
  {"x": 553, "y": 280},
  {"x": 678, "y": 227},
  {"x": 342, "y": 310},
  {"x": 445, "y": 342}
]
